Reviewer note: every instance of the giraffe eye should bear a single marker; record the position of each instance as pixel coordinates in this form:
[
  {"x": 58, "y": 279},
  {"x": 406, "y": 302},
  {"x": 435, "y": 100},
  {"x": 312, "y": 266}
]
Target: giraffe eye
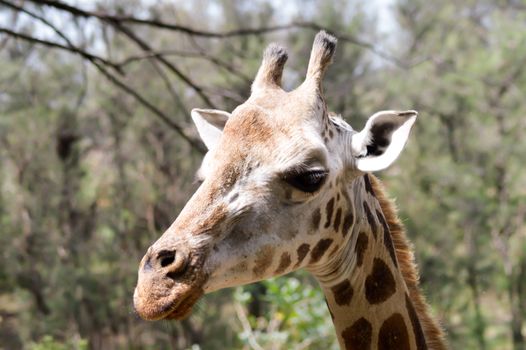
[{"x": 309, "y": 181}]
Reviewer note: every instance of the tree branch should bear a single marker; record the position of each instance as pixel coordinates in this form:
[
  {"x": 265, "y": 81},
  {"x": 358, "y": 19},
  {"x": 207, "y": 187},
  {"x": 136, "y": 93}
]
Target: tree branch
[
  {"x": 189, "y": 54},
  {"x": 246, "y": 327},
  {"x": 147, "y": 48},
  {"x": 219, "y": 35},
  {"x": 159, "y": 24},
  {"x": 55, "y": 45},
  {"x": 99, "y": 64},
  {"x": 156, "y": 111},
  {"x": 119, "y": 23}
]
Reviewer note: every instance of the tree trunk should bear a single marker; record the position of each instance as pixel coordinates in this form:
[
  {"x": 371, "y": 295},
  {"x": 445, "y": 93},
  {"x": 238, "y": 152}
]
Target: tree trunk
[
  {"x": 517, "y": 320},
  {"x": 480, "y": 324}
]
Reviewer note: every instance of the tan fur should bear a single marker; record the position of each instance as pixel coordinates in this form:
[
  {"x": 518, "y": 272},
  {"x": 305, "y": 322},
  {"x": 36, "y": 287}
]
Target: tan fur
[
  {"x": 271, "y": 70},
  {"x": 321, "y": 55},
  {"x": 432, "y": 331},
  {"x": 255, "y": 126}
]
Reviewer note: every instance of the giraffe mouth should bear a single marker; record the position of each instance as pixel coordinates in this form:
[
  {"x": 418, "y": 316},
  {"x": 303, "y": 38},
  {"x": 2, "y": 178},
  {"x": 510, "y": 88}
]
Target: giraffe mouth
[
  {"x": 176, "y": 306},
  {"x": 182, "y": 308}
]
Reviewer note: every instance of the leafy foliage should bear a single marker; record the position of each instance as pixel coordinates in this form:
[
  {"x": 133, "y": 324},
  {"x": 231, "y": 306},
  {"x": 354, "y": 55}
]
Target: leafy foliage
[{"x": 295, "y": 315}]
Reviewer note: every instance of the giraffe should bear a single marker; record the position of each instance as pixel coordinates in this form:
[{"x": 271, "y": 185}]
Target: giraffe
[{"x": 286, "y": 185}]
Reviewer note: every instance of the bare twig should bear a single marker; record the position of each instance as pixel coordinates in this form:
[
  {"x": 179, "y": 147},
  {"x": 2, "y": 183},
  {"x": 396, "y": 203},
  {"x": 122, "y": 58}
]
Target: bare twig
[
  {"x": 99, "y": 64},
  {"x": 147, "y": 48},
  {"x": 55, "y": 45},
  {"x": 177, "y": 99},
  {"x": 119, "y": 19},
  {"x": 160, "y": 114},
  {"x": 119, "y": 26},
  {"x": 119, "y": 22},
  {"x": 159, "y": 24},
  {"x": 199, "y": 55},
  {"x": 246, "y": 327}
]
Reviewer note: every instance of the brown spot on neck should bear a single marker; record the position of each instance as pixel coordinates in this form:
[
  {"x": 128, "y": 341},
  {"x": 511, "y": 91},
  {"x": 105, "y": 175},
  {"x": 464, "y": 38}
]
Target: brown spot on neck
[
  {"x": 343, "y": 293},
  {"x": 329, "y": 209},
  {"x": 263, "y": 260},
  {"x": 393, "y": 334},
  {"x": 361, "y": 247},
  {"x": 337, "y": 219},
  {"x": 420, "y": 339},
  {"x": 368, "y": 186},
  {"x": 302, "y": 250},
  {"x": 319, "y": 249},
  {"x": 358, "y": 336},
  {"x": 380, "y": 284},
  {"x": 348, "y": 221},
  {"x": 370, "y": 219},
  {"x": 315, "y": 219},
  {"x": 284, "y": 263},
  {"x": 387, "y": 238}
]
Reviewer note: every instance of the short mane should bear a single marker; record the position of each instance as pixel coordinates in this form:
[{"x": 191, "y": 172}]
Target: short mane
[{"x": 404, "y": 253}]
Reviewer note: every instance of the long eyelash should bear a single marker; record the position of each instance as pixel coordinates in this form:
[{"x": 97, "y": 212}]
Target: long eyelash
[
  {"x": 302, "y": 169},
  {"x": 302, "y": 180}
]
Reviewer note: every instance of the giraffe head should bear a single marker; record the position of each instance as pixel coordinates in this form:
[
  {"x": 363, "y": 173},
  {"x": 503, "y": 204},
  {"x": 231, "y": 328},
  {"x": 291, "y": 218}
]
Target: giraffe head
[{"x": 271, "y": 180}]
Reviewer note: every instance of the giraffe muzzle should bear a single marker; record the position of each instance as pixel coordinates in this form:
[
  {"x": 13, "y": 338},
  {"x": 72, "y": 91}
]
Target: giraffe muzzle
[{"x": 169, "y": 283}]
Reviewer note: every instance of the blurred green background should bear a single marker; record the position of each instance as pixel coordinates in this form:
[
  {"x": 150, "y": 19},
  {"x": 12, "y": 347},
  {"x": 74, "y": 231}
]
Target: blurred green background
[{"x": 97, "y": 157}]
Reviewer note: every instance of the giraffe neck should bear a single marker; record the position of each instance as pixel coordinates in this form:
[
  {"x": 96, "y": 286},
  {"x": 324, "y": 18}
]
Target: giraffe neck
[{"x": 371, "y": 284}]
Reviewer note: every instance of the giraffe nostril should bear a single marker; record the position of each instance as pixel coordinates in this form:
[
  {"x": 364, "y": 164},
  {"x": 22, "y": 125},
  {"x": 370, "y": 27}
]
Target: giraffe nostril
[
  {"x": 166, "y": 257},
  {"x": 172, "y": 262}
]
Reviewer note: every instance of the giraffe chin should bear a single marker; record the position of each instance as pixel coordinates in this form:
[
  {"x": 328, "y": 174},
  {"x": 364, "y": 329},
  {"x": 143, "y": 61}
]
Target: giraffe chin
[
  {"x": 183, "y": 309},
  {"x": 176, "y": 305}
]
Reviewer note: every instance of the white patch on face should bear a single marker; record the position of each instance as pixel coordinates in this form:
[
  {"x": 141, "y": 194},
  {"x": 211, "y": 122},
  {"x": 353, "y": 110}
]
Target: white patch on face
[{"x": 205, "y": 170}]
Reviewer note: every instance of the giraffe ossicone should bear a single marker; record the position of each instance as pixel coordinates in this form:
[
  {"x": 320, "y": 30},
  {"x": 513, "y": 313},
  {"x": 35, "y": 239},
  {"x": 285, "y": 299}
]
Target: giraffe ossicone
[{"x": 281, "y": 158}]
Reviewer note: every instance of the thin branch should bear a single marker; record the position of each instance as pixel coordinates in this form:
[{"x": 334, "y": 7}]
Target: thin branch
[
  {"x": 100, "y": 65},
  {"x": 178, "y": 101},
  {"x": 38, "y": 17},
  {"x": 55, "y": 45},
  {"x": 43, "y": 20},
  {"x": 220, "y": 63},
  {"x": 118, "y": 23},
  {"x": 220, "y": 35},
  {"x": 147, "y": 48},
  {"x": 246, "y": 327},
  {"x": 228, "y": 94},
  {"x": 160, "y": 114},
  {"x": 159, "y": 24},
  {"x": 189, "y": 54},
  {"x": 130, "y": 34}
]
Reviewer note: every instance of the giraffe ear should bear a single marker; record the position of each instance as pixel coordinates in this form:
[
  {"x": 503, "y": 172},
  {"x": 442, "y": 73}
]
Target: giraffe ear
[
  {"x": 210, "y": 124},
  {"x": 382, "y": 139}
]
